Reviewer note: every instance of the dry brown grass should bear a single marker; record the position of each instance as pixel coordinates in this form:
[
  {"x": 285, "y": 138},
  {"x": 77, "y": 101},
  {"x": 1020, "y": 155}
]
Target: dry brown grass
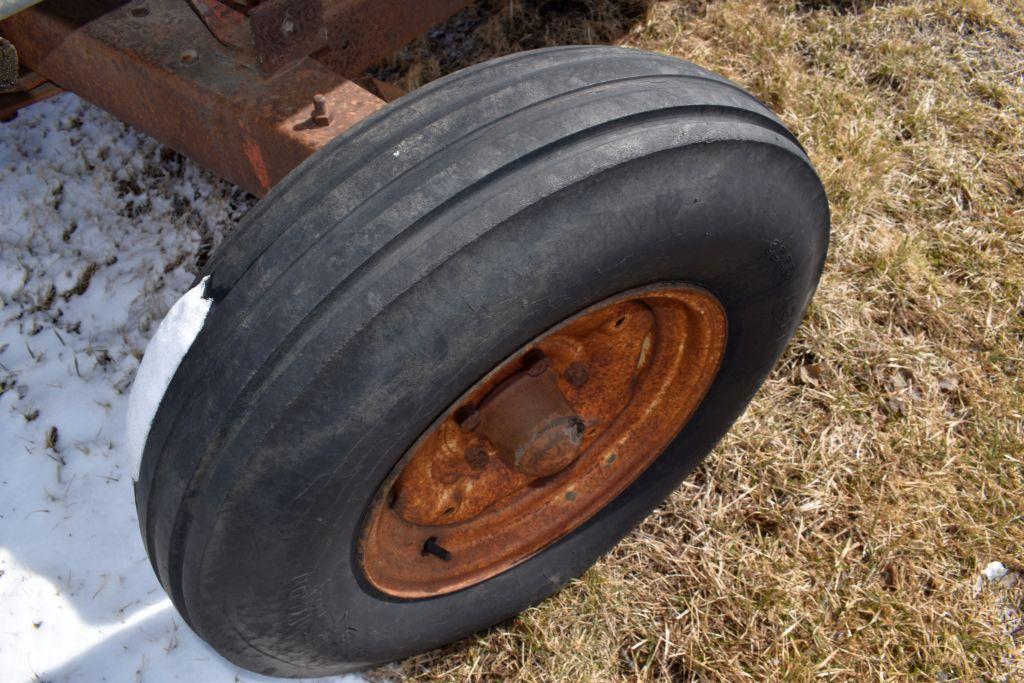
[{"x": 839, "y": 530}]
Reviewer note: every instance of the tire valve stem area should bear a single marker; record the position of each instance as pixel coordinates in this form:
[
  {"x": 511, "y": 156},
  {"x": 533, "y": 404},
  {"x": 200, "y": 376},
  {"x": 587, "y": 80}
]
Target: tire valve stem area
[{"x": 521, "y": 458}]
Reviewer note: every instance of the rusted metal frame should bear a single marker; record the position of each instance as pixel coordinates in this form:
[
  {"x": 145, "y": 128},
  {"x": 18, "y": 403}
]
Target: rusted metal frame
[
  {"x": 29, "y": 89},
  {"x": 272, "y": 33},
  {"x": 284, "y": 31},
  {"x": 362, "y": 32},
  {"x": 348, "y": 35},
  {"x": 228, "y": 22},
  {"x": 162, "y": 71}
]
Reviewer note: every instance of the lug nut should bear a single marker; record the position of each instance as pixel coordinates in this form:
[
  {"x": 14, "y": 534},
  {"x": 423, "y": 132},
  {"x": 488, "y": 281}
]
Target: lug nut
[{"x": 577, "y": 375}]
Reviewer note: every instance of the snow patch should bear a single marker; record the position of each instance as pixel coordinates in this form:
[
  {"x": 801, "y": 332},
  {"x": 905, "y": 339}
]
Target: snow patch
[
  {"x": 101, "y": 230},
  {"x": 164, "y": 354},
  {"x": 994, "y": 571}
]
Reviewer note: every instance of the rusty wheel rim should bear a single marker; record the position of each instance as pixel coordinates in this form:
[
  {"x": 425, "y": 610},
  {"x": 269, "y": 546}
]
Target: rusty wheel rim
[{"x": 544, "y": 441}]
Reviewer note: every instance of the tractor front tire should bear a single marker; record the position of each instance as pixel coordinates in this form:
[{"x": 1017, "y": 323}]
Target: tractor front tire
[{"x": 358, "y": 307}]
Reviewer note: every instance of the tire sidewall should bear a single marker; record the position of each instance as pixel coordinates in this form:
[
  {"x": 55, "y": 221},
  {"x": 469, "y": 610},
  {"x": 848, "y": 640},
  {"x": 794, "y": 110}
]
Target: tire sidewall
[{"x": 746, "y": 221}]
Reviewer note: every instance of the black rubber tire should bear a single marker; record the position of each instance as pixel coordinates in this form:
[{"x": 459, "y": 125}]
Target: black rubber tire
[{"x": 393, "y": 269}]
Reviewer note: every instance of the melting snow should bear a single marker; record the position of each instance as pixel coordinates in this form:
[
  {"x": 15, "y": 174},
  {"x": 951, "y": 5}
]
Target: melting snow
[
  {"x": 164, "y": 354},
  {"x": 100, "y": 229},
  {"x": 994, "y": 571}
]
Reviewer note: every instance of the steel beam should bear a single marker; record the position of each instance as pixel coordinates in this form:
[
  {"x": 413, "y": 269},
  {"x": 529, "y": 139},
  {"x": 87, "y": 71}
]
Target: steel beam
[
  {"x": 156, "y": 66},
  {"x": 362, "y": 32}
]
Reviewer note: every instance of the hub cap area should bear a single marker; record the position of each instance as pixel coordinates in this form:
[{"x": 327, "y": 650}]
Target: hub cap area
[{"x": 544, "y": 441}]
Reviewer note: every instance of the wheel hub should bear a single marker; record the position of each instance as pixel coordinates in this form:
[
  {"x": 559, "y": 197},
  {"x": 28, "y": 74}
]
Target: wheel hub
[
  {"x": 529, "y": 422},
  {"x": 543, "y": 441}
]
